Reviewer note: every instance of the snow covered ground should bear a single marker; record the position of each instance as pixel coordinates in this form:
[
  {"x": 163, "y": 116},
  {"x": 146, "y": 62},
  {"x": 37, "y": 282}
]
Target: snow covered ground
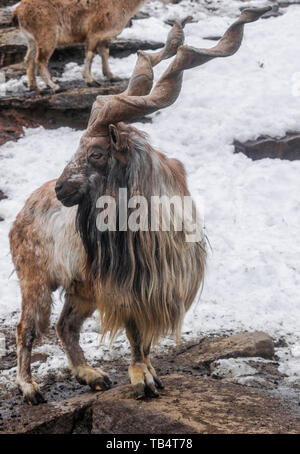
[{"x": 252, "y": 209}]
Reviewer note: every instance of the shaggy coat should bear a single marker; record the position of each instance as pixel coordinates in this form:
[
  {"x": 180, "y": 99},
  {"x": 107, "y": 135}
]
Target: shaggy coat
[{"x": 141, "y": 279}]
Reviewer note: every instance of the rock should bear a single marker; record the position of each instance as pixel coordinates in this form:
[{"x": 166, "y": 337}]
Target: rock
[
  {"x": 121, "y": 48},
  {"x": 287, "y": 147},
  {"x": 231, "y": 368},
  {"x": 5, "y": 17},
  {"x": 13, "y": 48},
  {"x": 190, "y": 403},
  {"x": 141, "y": 15},
  {"x": 68, "y": 108},
  {"x": 286, "y": 3},
  {"x": 257, "y": 344},
  {"x": 256, "y": 372},
  {"x": 39, "y": 358},
  {"x": 9, "y": 2},
  {"x": 212, "y": 38},
  {"x": 11, "y": 126},
  {"x": 14, "y": 71},
  {"x": 2, "y": 195},
  {"x": 187, "y": 405},
  {"x": 56, "y": 417}
]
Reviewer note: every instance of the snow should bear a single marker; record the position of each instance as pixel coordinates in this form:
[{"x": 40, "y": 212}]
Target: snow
[
  {"x": 252, "y": 209},
  {"x": 233, "y": 368}
]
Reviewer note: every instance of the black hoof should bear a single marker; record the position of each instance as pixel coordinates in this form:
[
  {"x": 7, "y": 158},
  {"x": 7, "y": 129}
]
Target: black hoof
[
  {"x": 58, "y": 90},
  {"x": 36, "y": 399},
  {"x": 33, "y": 91},
  {"x": 159, "y": 384},
  {"x": 81, "y": 381},
  {"x": 95, "y": 83},
  {"x": 115, "y": 79},
  {"x": 101, "y": 384},
  {"x": 139, "y": 395},
  {"x": 151, "y": 392}
]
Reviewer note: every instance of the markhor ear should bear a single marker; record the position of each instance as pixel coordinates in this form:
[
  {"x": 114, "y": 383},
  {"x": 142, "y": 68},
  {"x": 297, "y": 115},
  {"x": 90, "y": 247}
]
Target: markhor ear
[
  {"x": 114, "y": 136},
  {"x": 119, "y": 143}
]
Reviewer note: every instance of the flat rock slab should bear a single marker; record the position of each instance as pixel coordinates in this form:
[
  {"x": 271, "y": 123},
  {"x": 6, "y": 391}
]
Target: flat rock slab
[
  {"x": 242, "y": 345},
  {"x": 2, "y": 195},
  {"x": 286, "y": 3},
  {"x": 267, "y": 147},
  {"x": 69, "y": 108},
  {"x": 11, "y": 126},
  {"x": 9, "y": 2},
  {"x": 190, "y": 403},
  {"x": 187, "y": 405},
  {"x": 13, "y": 48},
  {"x": 5, "y": 17}
]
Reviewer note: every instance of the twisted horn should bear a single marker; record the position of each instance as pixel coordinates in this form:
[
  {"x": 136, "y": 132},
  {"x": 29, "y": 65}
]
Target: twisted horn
[
  {"x": 141, "y": 80},
  {"x": 130, "y": 106}
]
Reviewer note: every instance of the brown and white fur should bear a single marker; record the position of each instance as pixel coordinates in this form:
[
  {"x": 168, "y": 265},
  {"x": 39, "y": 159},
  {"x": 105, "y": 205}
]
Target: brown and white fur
[
  {"x": 140, "y": 281},
  {"x": 47, "y": 24}
]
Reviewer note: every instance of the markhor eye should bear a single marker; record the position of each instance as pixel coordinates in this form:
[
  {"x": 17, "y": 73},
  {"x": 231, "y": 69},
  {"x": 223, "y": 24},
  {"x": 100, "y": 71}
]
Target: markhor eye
[{"x": 97, "y": 154}]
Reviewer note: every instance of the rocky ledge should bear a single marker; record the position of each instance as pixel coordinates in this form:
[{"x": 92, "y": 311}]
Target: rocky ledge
[
  {"x": 201, "y": 395},
  {"x": 287, "y": 147}
]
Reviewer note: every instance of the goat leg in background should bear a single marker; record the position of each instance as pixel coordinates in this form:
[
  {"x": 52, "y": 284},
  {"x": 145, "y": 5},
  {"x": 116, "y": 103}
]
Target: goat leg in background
[
  {"x": 129, "y": 106},
  {"x": 141, "y": 80}
]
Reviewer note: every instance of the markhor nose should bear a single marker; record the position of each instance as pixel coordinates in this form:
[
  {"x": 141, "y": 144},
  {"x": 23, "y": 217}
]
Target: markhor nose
[{"x": 58, "y": 186}]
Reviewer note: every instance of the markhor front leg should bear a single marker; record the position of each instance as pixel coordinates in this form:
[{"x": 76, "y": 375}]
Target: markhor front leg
[
  {"x": 142, "y": 380},
  {"x": 95, "y": 378},
  {"x": 75, "y": 311},
  {"x": 103, "y": 51},
  {"x": 151, "y": 369},
  {"x": 34, "y": 320}
]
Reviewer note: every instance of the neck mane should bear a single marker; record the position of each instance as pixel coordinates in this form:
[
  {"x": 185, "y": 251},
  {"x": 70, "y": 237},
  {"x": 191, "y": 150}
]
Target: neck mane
[
  {"x": 147, "y": 173},
  {"x": 133, "y": 271}
]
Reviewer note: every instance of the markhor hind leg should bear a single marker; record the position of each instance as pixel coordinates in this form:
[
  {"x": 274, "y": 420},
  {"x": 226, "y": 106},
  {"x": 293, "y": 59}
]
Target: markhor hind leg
[
  {"x": 44, "y": 52},
  {"x": 76, "y": 309},
  {"x": 141, "y": 378},
  {"x": 87, "y": 74},
  {"x": 30, "y": 63}
]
